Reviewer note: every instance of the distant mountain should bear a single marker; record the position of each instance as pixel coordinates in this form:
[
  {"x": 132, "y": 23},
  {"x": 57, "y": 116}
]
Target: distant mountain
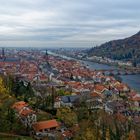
[{"x": 122, "y": 49}]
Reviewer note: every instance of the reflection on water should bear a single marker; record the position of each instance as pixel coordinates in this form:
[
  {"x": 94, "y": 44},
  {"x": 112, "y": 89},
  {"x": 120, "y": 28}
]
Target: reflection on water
[
  {"x": 97, "y": 66},
  {"x": 132, "y": 80}
]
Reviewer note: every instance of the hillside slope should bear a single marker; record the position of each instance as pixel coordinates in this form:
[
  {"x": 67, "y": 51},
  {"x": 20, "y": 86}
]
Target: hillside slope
[{"x": 122, "y": 49}]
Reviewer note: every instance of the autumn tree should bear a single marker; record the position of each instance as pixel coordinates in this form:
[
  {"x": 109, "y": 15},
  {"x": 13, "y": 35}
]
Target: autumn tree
[
  {"x": 3, "y": 89},
  {"x": 67, "y": 116}
]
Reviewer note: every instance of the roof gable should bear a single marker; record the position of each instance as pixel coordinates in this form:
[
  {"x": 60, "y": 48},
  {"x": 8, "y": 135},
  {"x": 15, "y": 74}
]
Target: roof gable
[{"x": 45, "y": 125}]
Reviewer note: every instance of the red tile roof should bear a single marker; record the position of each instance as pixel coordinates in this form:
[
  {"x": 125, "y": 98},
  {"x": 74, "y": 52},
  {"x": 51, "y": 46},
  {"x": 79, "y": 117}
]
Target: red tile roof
[
  {"x": 19, "y": 105},
  {"x": 135, "y": 99},
  {"x": 121, "y": 86},
  {"x": 26, "y": 112},
  {"x": 94, "y": 94},
  {"x": 100, "y": 88},
  {"x": 45, "y": 125}
]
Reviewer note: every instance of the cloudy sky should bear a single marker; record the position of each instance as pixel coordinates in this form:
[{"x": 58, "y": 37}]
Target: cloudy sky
[{"x": 66, "y": 23}]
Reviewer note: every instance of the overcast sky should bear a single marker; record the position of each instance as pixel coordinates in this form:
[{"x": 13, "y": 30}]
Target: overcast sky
[{"x": 66, "y": 23}]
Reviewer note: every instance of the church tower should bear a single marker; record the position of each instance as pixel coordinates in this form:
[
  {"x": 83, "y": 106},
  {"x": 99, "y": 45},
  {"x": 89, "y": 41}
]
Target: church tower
[
  {"x": 46, "y": 55},
  {"x": 2, "y": 56},
  {"x": 3, "y": 53}
]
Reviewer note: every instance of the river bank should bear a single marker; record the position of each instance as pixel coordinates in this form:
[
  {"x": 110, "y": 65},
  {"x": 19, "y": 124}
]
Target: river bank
[{"x": 132, "y": 80}]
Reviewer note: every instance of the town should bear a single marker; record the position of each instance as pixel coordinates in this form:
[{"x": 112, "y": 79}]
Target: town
[
  {"x": 58, "y": 98},
  {"x": 125, "y": 67}
]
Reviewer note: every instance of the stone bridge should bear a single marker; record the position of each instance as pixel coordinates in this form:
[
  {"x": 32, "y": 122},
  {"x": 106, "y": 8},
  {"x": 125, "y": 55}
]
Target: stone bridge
[{"x": 120, "y": 72}]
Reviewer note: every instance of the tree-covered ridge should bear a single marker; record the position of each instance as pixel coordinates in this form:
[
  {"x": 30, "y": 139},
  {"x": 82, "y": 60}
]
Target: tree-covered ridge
[{"x": 123, "y": 49}]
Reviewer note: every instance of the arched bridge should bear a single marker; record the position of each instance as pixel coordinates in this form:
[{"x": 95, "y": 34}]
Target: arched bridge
[{"x": 120, "y": 72}]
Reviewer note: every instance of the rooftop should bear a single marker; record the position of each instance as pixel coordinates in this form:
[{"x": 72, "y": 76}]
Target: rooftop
[
  {"x": 19, "y": 105},
  {"x": 45, "y": 125}
]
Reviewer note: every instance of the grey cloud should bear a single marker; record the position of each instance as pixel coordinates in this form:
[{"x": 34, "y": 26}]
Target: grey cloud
[{"x": 66, "y": 22}]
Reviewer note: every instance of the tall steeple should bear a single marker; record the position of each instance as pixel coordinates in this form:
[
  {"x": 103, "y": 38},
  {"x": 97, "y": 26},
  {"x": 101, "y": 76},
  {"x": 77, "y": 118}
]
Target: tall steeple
[
  {"x": 3, "y": 53},
  {"x": 46, "y": 56},
  {"x": 46, "y": 52}
]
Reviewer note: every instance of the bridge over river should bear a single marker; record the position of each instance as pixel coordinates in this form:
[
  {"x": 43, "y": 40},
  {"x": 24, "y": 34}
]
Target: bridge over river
[{"x": 120, "y": 71}]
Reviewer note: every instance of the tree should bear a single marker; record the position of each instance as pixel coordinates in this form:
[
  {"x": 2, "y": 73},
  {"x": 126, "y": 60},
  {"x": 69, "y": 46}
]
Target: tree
[
  {"x": 11, "y": 118},
  {"x": 60, "y": 93},
  {"x": 89, "y": 134},
  {"x": 67, "y": 116},
  {"x": 131, "y": 135},
  {"x": 22, "y": 91},
  {"x": 2, "y": 87},
  {"x": 103, "y": 132},
  {"x": 28, "y": 92}
]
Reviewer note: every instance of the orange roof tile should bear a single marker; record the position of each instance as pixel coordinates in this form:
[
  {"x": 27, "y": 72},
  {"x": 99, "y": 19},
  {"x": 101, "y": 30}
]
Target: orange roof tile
[
  {"x": 135, "y": 99},
  {"x": 45, "y": 125},
  {"x": 19, "y": 105},
  {"x": 99, "y": 88},
  {"x": 94, "y": 94},
  {"x": 121, "y": 86},
  {"x": 26, "y": 112}
]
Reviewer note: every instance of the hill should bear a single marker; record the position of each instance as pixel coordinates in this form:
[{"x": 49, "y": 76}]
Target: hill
[{"x": 127, "y": 49}]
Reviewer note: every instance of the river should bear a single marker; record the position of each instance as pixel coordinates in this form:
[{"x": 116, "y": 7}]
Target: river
[{"x": 132, "y": 80}]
